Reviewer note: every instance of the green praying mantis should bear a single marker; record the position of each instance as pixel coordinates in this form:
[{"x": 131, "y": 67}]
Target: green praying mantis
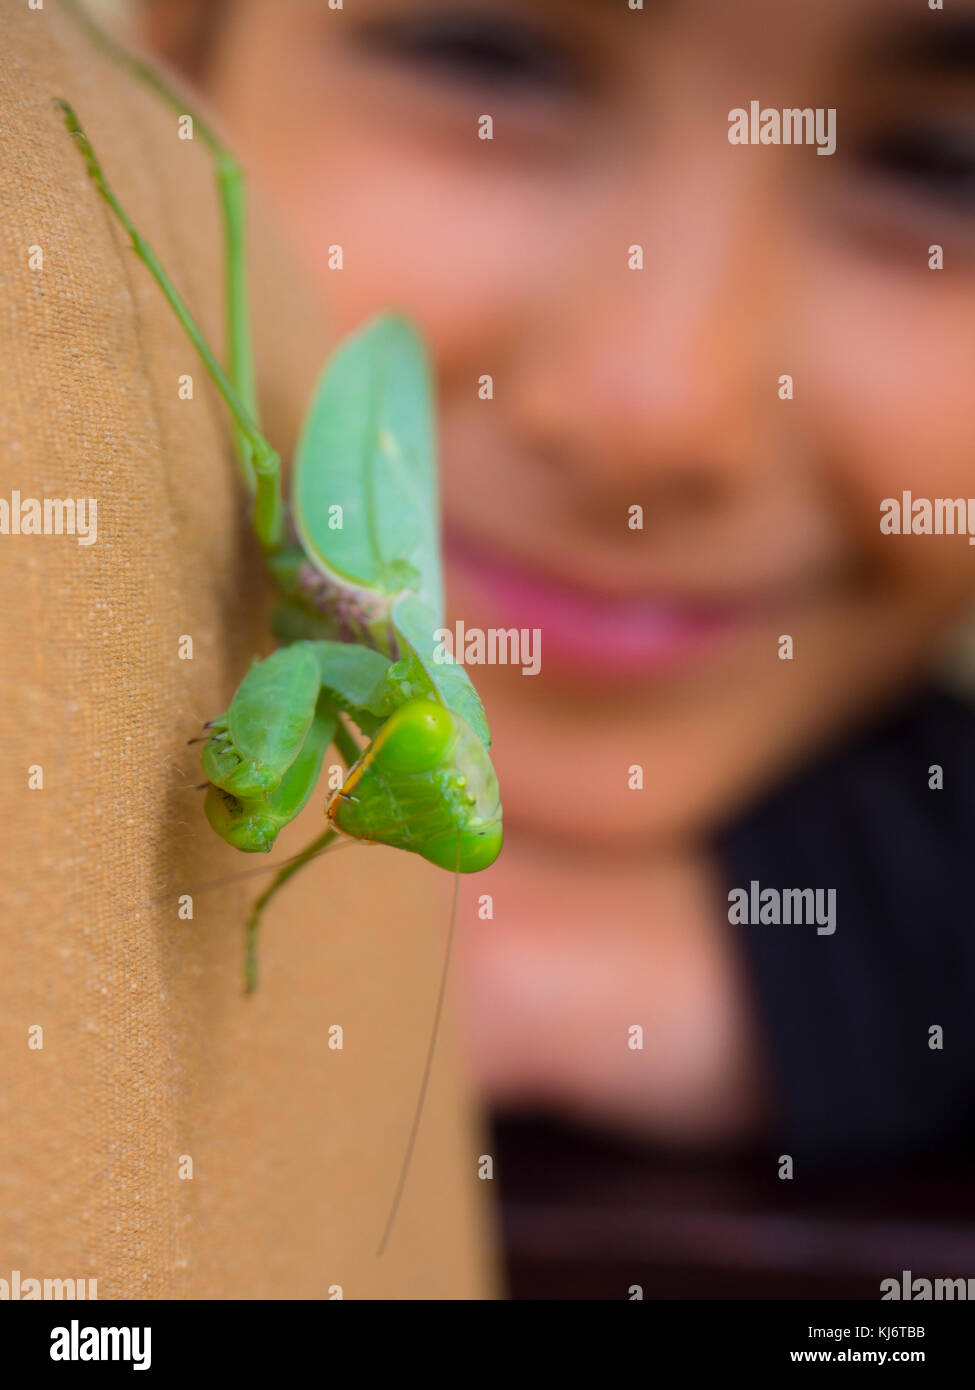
[{"x": 355, "y": 559}]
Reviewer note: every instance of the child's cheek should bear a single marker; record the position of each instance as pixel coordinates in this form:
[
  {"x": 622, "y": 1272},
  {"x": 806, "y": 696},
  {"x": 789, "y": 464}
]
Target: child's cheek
[
  {"x": 885, "y": 396},
  {"x": 436, "y": 241}
]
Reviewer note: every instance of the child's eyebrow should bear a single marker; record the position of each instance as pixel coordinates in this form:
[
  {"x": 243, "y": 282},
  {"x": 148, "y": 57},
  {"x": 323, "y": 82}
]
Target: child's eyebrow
[{"x": 937, "y": 44}]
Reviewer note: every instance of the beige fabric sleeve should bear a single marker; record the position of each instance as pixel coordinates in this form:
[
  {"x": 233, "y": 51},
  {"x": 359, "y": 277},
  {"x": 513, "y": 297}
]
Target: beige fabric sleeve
[{"x": 151, "y": 1054}]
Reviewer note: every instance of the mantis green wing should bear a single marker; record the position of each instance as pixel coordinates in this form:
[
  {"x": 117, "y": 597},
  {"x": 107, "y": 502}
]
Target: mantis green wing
[{"x": 368, "y": 448}]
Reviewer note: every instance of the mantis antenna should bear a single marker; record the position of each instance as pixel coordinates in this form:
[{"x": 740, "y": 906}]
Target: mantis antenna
[{"x": 427, "y": 1068}]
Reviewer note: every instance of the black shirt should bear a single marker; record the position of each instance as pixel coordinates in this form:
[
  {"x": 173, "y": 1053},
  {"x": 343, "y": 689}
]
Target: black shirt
[{"x": 847, "y": 1017}]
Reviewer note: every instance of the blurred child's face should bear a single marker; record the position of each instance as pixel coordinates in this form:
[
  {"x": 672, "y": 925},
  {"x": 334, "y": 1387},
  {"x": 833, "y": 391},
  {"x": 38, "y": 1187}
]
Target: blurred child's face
[{"x": 659, "y": 388}]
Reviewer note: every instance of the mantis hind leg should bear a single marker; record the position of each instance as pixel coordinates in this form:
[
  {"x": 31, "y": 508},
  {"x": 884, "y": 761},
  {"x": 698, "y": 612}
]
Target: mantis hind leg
[
  {"x": 257, "y": 911},
  {"x": 230, "y": 182},
  {"x": 264, "y": 481}
]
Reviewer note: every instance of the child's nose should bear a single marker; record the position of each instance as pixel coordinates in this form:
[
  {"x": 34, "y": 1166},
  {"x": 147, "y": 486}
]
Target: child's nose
[{"x": 669, "y": 374}]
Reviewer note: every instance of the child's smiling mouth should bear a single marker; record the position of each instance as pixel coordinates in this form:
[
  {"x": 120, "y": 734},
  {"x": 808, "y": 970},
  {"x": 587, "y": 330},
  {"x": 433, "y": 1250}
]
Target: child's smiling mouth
[{"x": 589, "y": 634}]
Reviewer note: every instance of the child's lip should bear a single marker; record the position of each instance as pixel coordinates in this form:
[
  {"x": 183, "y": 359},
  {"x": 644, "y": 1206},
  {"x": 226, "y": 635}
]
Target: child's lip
[{"x": 581, "y": 629}]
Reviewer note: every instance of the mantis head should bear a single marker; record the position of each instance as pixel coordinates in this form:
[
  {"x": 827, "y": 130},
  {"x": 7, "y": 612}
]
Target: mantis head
[{"x": 424, "y": 784}]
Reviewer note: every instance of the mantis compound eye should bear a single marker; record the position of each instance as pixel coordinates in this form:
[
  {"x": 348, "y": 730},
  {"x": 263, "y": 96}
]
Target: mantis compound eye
[{"x": 416, "y": 739}]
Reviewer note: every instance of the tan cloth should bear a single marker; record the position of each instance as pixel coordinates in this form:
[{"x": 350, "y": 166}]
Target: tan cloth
[{"x": 150, "y": 1050}]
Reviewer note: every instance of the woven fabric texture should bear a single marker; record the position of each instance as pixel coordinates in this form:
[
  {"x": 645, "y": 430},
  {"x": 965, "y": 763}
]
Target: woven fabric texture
[{"x": 151, "y": 1054}]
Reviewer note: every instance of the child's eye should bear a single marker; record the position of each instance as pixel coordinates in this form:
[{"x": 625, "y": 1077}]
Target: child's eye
[
  {"x": 938, "y": 161},
  {"x": 483, "y": 51}
]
